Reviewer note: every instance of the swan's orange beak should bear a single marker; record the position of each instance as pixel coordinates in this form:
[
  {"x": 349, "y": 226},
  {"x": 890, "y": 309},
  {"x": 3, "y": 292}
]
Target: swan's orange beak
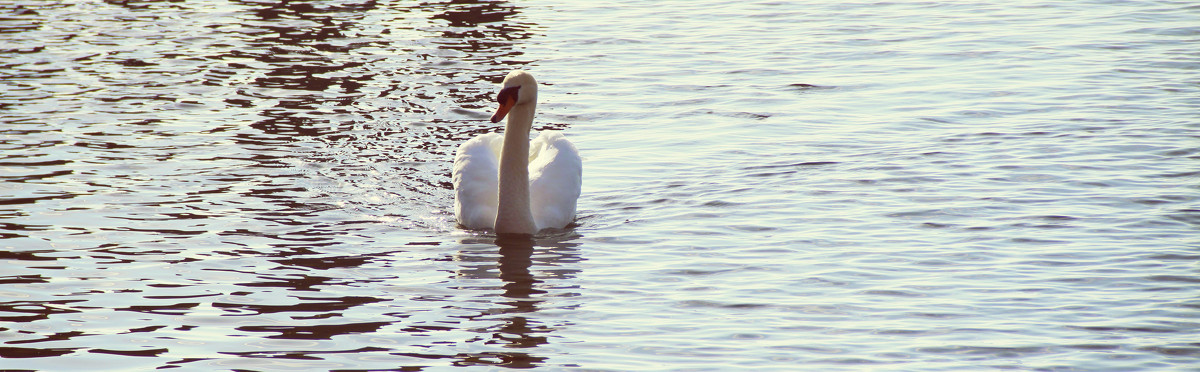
[
  {"x": 507, "y": 99},
  {"x": 503, "y": 109}
]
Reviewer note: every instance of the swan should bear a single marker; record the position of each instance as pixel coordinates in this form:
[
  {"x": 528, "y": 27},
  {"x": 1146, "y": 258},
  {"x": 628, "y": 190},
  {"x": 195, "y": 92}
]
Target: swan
[{"x": 509, "y": 183}]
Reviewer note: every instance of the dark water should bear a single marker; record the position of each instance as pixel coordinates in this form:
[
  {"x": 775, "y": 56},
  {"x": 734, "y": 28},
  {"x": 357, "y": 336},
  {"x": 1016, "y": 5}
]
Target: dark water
[{"x": 260, "y": 185}]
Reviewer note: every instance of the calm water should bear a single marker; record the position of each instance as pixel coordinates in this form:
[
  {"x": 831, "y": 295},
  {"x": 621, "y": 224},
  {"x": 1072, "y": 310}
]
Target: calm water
[{"x": 771, "y": 185}]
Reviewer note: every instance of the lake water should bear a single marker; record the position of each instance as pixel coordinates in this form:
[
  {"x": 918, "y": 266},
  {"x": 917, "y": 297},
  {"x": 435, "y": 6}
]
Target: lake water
[{"x": 778, "y": 185}]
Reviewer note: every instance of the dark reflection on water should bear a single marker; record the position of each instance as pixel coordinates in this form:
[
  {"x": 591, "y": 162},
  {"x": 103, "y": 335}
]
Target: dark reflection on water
[
  {"x": 521, "y": 295},
  {"x": 304, "y": 59}
]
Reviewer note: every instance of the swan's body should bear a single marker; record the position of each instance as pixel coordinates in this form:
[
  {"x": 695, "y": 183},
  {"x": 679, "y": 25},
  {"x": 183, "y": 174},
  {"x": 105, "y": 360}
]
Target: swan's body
[{"x": 510, "y": 184}]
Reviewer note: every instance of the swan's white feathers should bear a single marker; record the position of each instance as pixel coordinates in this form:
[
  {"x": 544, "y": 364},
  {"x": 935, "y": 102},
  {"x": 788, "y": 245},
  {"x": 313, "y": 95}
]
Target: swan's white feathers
[
  {"x": 555, "y": 180},
  {"x": 476, "y": 170}
]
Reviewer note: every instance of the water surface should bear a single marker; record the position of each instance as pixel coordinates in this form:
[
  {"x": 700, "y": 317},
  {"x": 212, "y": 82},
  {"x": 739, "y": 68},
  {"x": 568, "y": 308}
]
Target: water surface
[{"x": 256, "y": 185}]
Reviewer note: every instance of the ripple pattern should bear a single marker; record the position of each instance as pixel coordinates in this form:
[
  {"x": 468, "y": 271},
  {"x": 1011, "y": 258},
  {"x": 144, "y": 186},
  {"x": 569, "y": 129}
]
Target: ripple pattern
[{"x": 260, "y": 185}]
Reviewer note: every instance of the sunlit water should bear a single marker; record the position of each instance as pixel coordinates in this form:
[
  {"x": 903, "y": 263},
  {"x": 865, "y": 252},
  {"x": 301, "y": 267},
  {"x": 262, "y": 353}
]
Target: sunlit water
[{"x": 769, "y": 185}]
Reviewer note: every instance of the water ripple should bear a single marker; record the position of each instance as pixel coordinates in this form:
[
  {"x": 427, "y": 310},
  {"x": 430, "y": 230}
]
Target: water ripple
[{"x": 912, "y": 186}]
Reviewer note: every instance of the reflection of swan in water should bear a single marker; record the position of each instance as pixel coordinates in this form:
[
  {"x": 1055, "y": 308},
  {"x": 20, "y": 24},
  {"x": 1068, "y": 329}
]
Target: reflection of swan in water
[
  {"x": 528, "y": 273},
  {"x": 510, "y": 184}
]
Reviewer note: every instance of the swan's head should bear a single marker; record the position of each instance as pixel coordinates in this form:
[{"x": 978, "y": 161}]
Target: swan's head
[{"x": 519, "y": 88}]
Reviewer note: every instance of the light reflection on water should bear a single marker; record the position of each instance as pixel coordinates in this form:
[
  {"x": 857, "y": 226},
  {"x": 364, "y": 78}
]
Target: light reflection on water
[{"x": 260, "y": 185}]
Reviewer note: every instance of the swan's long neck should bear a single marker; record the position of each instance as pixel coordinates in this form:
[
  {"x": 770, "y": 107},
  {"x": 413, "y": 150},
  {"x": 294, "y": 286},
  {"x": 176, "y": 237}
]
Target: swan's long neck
[{"x": 513, "y": 215}]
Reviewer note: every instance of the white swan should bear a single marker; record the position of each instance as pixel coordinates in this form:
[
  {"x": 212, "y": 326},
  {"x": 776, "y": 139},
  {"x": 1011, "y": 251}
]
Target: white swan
[{"x": 510, "y": 184}]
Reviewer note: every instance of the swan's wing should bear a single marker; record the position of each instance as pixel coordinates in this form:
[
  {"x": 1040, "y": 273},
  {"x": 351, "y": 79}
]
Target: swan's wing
[
  {"x": 555, "y": 179},
  {"x": 476, "y": 166}
]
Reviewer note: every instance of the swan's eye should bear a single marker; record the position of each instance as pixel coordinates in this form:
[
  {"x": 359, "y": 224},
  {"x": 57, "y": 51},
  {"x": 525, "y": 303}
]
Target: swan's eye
[{"x": 507, "y": 94}]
